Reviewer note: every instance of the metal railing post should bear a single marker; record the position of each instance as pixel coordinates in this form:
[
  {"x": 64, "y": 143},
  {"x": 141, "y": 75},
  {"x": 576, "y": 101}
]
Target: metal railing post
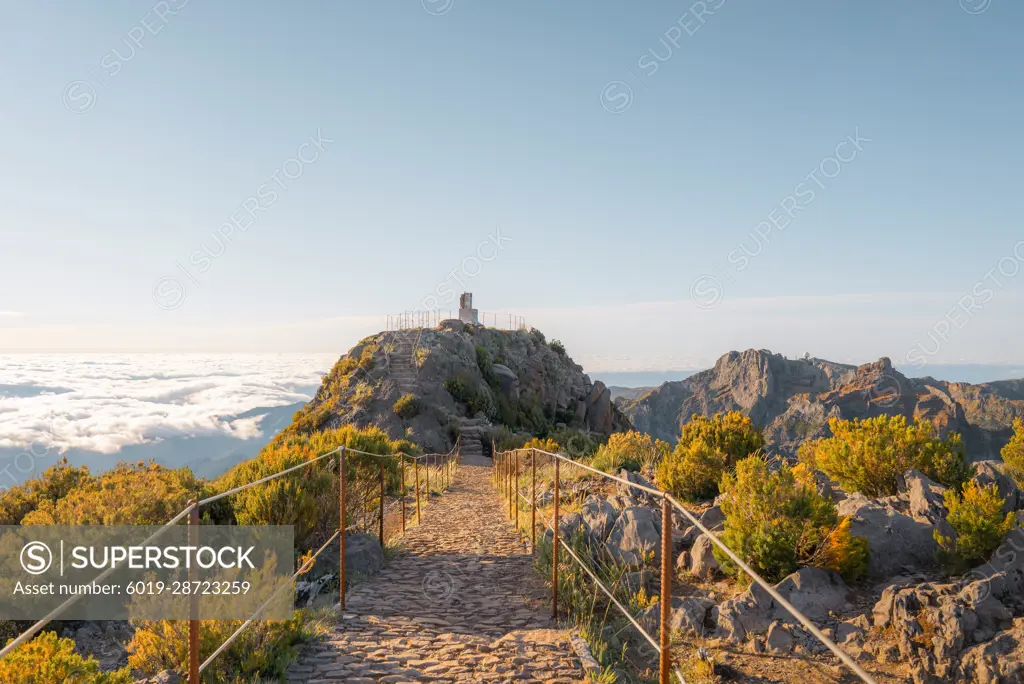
[
  {"x": 193, "y": 617},
  {"x": 402, "y": 460},
  {"x": 380, "y": 534},
  {"x": 516, "y": 497},
  {"x": 666, "y": 589},
  {"x": 342, "y": 495},
  {"x": 366, "y": 509},
  {"x": 427, "y": 463},
  {"x": 554, "y": 554},
  {"x": 533, "y": 505},
  {"x": 417, "y": 468},
  {"x": 508, "y": 484}
]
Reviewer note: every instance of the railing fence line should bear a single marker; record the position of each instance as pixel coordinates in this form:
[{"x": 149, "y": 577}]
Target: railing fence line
[
  {"x": 506, "y": 476},
  {"x": 408, "y": 320},
  {"x": 446, "y": 463}
]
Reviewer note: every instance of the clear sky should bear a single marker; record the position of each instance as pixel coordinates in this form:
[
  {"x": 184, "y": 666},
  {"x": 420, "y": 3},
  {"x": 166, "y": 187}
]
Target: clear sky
[{"x": 649, "y": 166}]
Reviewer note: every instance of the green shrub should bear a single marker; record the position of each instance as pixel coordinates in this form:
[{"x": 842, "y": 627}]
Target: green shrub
[
  {"x": 707, "y": 448},
  {"x": 460, "y": 388},
  {"x": 407, "y": 407},
  {"x": 976, "y": 515},
  {"x": 557, "y": 347},
  {"x": 778, "y": 522},
  {"x": 1013, "y": 453},
  {"x": 49, "y": 660},
  {"x": 869, "y": 456},
  {"x": 506, "y": 440},
  {"x": 530, "y": 416},
  {"x": 631, "y": 450},
  {"x": 476, "y": 400},
  {"x": 485, "y": 364}
]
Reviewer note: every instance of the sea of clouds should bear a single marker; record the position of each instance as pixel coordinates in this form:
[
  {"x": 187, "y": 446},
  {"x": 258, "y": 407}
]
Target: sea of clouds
[{"x": 181, "y": 409}]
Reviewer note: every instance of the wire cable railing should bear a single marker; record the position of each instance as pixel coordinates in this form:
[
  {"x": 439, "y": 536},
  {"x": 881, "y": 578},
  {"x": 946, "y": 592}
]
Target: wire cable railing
[
  {"x": 445, "y": 467},
  {"x": 409, "y": 320},
  {"x": 506, "y": 471}
]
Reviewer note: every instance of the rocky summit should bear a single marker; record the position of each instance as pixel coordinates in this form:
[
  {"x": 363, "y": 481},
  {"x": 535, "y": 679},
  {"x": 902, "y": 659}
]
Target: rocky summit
[
  {"x": 793, "y": 399},
  {"x": 431, "y": 385}
]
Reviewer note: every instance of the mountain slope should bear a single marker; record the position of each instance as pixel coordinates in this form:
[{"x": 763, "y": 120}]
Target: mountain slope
[
  {"x": 792, "y": 400},
  {"x": 455, "y": 371}
]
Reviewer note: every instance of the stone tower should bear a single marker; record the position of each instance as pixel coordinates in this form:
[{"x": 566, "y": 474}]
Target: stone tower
[{"x": 467, "y": 314}]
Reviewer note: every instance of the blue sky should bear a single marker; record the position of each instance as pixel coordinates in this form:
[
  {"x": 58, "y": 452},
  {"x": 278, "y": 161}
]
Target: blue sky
[{"x": 623, "y": 230}]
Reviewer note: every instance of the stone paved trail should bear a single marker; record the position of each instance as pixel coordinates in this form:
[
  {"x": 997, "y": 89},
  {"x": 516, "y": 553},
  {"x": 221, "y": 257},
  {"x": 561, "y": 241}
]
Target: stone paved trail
[{"x": 461, "y": 604}]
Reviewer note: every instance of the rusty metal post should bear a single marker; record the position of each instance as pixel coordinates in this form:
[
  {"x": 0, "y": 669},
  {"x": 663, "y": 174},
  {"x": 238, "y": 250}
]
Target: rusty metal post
[
  {"x": 402, "y": 461},
  {"x": 428, "y": 476},
  {"x": 342, "y": 495},
  {"x": 554, "y": 554},
  {"x": 366, "y": 509},
  {"x": 533, "y": 505},
  {"x": 417, "y": 468},
  {"x": 509, "y": 487},
  {"x": 516, "y": 492},
  {"x": 666, "y": 588},
  {"x": 380, "y": 534},
  {"x": 193, "y": 621}
]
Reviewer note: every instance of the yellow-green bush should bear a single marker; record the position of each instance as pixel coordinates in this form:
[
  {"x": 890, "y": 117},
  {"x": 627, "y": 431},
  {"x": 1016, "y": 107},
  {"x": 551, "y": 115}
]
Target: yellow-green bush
[
  {"x": 707, "y": 449},
  {"x": 976, "y": 515},
  {"x": 264, "y": 649},
  {"x": 732, "y": 433},
  {"x": 544, "y": 444},
  {"x": 407, "y": 406},
  {"x": 630, "y": 450},
  {"x": 307, "y": 498},
  {"x": 49, "y": 660},
  {"x": 1013, "y": 453},
  {"x": 870, "y": 455},
  {"x": 130, "y": 494},
  {"x": 777, "y": 522},
  {"x": 54, "y": 483},
  {"x": 692, "y": 471}
]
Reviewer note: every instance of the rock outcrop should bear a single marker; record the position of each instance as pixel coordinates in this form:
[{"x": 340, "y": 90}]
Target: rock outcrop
[
  {"x": 458, "y": 371},
  {"x": 634, "y": 536},
  {"x": 814, "y": 592},
  {"x": 792, "y": 400},
  {"x": 968, "y": 630}
]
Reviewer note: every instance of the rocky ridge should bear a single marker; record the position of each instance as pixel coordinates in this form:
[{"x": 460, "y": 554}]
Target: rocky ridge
[
  {"x": 793, "y": 399},
  {"x": 465, "y": 379}
]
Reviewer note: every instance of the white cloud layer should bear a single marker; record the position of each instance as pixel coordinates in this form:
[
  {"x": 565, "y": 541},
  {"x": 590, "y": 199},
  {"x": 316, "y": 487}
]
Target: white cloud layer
[{"x": 102, "y": 403}]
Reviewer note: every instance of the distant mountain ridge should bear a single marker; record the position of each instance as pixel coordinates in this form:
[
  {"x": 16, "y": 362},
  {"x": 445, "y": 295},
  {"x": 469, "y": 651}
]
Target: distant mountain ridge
[{"x": 793, "y": 399}]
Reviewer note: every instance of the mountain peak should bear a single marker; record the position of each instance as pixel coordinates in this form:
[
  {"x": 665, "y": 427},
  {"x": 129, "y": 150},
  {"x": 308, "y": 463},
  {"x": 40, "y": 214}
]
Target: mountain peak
[{"x": 458, "y": 371}]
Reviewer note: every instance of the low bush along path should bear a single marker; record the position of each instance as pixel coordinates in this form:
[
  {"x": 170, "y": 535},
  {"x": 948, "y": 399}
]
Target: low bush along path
[{"x": 461, "y": 603}]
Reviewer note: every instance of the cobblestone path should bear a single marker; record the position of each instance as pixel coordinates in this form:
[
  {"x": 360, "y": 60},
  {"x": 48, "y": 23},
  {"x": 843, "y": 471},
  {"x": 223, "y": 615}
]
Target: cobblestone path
[{"x": 462, "y": 603}]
